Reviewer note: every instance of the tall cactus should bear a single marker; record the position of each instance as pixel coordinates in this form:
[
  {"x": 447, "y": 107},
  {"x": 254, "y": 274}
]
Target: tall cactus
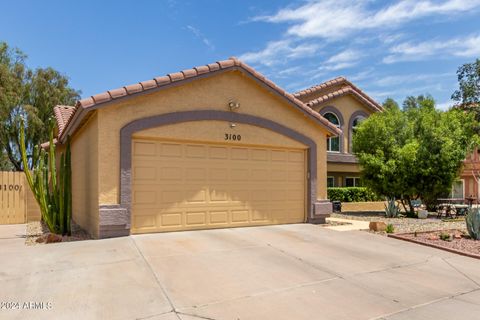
[
  {"x": 51, "y": 189},
  {"x": 473, "y": 223}
]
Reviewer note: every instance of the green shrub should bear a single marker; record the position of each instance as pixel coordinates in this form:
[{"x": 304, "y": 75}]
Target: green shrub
[
  {"x": 352, "y": 194},
  {"x": 390, "y": 228},
  {"x": 445, "y": 236}
]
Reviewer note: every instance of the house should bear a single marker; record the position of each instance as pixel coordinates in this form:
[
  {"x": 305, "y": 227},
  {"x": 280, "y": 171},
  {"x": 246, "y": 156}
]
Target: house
[
  {"x": 345, "y": 106},
  {"x": 215, "y": 146}
]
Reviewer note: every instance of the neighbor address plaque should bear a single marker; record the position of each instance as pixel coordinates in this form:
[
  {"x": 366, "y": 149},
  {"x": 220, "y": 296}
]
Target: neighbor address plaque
[{"x": 10, "y": 187}]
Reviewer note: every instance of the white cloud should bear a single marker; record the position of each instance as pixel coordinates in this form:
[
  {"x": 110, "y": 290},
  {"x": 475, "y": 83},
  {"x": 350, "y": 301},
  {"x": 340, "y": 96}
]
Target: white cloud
[
  {"x": 395, "y": 80},
  {"x": 462, "y": 47},
  {"x": 335, "y": 19},
  {"x": 445, "y": 105},
  {"x": 342, "y": 60},
  {"x": 280, "y": 51},
  {"x": 200, "y": 36}
]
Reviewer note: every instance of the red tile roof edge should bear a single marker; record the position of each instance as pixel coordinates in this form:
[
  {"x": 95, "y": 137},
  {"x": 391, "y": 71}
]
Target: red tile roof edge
[
  {"x": 158, "y": 82},
  {"x": 341, "y": 80},
  {"x": 341, "y": 92},
  {"x": 62, "y": 116}
]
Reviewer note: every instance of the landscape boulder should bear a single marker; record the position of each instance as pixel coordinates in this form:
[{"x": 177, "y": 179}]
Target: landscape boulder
[{"x": 377, "y": 226}]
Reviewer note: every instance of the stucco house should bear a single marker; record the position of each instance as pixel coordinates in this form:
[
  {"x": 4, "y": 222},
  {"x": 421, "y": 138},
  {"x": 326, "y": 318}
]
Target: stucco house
[
  {"x": 214, "y": 146},
  {"x": 345, "y": 106}
]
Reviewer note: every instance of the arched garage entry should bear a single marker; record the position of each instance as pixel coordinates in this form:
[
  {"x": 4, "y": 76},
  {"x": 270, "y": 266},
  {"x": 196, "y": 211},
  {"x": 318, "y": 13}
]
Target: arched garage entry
[{"x": 179, "y": 220}]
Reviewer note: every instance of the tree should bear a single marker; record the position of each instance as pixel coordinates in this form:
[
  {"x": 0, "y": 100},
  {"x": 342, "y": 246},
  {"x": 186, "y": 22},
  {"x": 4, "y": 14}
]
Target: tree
[
  {"x": 390, "y": 103},
  {"x": 413, "y": 153},
  {"x": 30, "y": 95},
  {"x": 468, "y": 93}
]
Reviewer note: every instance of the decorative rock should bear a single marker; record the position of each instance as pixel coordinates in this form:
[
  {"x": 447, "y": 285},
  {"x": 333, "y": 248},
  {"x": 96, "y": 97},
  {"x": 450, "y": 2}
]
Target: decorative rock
[
  {"x": 433, "y": 237},
  {"x": 422, "y": 214},
  {"x": 52, "y": 238},
  {"x": 40, "y": 239},
  {"x": 377, "y": 226}
]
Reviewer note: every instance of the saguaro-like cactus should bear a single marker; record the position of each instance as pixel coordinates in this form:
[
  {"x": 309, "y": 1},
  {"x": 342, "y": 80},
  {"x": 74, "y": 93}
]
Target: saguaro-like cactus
[
  {"x": 473, "y": 223},
  {"x": 52, "y": 190}
]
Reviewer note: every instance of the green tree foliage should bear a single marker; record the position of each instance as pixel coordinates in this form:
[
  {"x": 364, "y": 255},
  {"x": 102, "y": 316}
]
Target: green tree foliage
[
  {"x": 468, "y": 93},
  {"x": 30, "y": 95},
  {"x": 413, "y": 153},
  {"x": 389, "y": 103}
]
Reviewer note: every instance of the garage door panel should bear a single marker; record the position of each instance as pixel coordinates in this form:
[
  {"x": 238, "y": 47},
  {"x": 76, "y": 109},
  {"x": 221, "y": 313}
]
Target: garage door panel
[
  {"x": 169, "y": 150},
  {"x": 240, "y": 216},
  {"x": 144, "y": 148},
  {"x": 196, "y": 218},
  {"x": 182, "y": 186},
  {"x": 172, "y": 173}
]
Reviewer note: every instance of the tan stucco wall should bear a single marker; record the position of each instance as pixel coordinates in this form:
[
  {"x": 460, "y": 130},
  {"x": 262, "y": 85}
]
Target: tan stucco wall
[
  {"x": 84, "y": 149},
  {"x": 211, "y": 93},
  {"x": 363, "y": 206},
  {"x": 211, "y": 131}
]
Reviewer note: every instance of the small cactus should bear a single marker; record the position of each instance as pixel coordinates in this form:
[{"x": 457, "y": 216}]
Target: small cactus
[
  {"x": 473, "y": 223},
  {"x": 51, "y": 189},
  {"x": 392, "y": 209}
]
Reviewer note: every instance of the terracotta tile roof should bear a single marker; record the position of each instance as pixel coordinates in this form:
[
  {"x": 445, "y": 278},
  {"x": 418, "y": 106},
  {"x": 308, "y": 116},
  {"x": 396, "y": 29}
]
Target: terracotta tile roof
[
  {"x": 101, "y": 99},
  {"x": 346, "y": 87},
  {"x": 63, "y": 115}
]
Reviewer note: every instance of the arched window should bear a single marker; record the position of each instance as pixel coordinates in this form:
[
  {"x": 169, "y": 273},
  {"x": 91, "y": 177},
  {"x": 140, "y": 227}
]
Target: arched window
[
  {"x": 333, "y": 143},
  {"x": 356, "y": 122}
]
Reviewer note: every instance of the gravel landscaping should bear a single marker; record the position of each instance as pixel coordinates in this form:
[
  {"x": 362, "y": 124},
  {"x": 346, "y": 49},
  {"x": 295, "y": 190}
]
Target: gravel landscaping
[
  {"x": 37, "y": 233},
  {"x": 407, "y": 225},
  {"x": 457, "y": 240}
]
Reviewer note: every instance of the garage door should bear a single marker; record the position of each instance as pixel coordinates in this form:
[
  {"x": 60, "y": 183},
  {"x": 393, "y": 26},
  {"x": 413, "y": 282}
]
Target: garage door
[{"x": 185, "y": 186}]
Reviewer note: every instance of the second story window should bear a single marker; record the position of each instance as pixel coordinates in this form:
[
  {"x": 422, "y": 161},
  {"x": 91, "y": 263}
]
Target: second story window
[{"x": 333, "y": 143}]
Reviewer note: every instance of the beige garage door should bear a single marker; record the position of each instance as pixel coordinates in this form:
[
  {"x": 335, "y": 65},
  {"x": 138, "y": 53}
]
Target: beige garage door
[{"x": 185, "y": 186}]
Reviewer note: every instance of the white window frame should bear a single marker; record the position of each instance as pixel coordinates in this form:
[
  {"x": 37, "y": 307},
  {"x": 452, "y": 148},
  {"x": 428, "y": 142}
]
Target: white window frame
[
  {"x": 463, "y": 188},
  {"x": 329, "y": 139}
]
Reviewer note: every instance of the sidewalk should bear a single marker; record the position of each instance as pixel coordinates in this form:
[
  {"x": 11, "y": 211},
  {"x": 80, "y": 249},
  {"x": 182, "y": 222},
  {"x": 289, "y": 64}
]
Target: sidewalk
[{"x": 352, "y": 225}]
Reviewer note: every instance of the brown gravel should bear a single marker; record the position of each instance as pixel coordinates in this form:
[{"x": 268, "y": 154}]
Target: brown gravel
[
  {"x": 407, "y": 225},
  {"x": 459, "y": 240},
  {"x": 37, "y": 229}
]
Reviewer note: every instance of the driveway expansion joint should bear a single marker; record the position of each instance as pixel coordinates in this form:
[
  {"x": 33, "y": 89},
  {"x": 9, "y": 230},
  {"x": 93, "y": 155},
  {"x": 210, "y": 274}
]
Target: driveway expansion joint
[
  {"x": 460, "y": 272},
  {"x": 156, "y": 278}
]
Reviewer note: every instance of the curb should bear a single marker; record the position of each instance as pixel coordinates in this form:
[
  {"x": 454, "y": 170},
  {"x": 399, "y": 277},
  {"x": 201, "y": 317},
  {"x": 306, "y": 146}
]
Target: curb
[{"x": 400, "y": 237}]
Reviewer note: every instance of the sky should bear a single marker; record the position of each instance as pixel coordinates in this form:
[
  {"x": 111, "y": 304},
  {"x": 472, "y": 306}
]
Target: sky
[{"x": 387, "y": 48}]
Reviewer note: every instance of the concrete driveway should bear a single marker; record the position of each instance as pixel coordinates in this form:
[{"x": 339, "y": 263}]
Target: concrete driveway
[{"x": 287, "y": 272}]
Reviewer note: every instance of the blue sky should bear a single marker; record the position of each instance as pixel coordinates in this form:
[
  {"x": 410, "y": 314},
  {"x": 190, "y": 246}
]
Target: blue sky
[{"x": 388, "y": 48}]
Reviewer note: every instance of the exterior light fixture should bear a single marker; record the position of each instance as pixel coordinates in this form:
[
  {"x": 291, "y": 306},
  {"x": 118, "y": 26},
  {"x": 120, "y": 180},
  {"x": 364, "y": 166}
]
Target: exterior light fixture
[
  {"x": 233, "y": 105},
  {"x": 232, "y": 125}
]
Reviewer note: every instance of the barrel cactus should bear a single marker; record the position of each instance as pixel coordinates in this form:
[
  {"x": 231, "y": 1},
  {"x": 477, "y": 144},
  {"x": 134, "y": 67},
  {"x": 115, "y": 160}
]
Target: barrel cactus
[
  {"x": 473, "y": 223},
  {"x": 51, "y": 189},
  {"x": 392, "y": 209}
]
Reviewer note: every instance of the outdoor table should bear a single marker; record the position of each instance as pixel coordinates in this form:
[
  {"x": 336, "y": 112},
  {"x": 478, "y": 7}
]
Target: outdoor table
[{"x": 451, "y": 207}]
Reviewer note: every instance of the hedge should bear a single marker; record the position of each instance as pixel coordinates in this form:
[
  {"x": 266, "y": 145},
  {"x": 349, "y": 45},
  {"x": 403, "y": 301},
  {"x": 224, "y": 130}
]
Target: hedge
[{"x": 352, "y": 194}]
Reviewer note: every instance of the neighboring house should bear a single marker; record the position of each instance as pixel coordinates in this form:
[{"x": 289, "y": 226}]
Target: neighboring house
[
  {"x": 467, "y": 185},
  {"x": 345, "y": 106},
  {"x": 210, "y": 147}
]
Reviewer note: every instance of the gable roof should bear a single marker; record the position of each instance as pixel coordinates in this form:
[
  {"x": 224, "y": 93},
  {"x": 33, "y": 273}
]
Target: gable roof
[
  {"x": 63, "y": 115},
  {"x": 335, "y": 88},
  {"x": 86, "y": 105}
]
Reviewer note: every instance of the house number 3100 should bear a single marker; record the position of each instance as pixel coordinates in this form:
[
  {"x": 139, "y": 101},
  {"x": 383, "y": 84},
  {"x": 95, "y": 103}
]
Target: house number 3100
[{"x": 234, "y": 137}]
